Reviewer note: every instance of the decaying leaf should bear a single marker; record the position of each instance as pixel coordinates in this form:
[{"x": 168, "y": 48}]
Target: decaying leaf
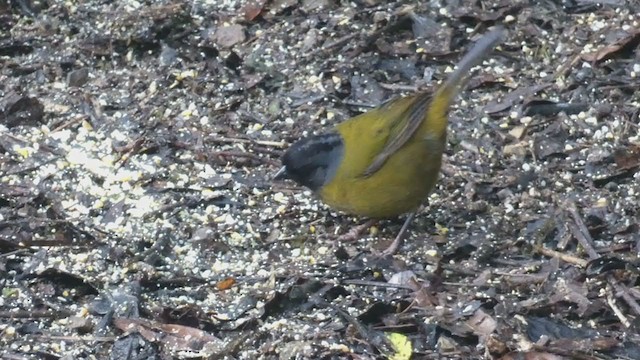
[
  {"x": 627, "y": 43},
  {"x": 174, "y": 337}
]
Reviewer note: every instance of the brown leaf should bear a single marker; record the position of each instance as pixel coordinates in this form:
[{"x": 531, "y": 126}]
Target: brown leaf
[
  {"x": 482, "y": 323},
  {"x": 20, "y": 110},
  {"x": 424, "y": 299},
  {"x": 227, "y": 36},
  {"x": 79, "y": 323},
  {"x": 226, "y": 284},
  {"x": 253, "y": 8},
  {"x": 495, "y": 345},
  {"x": 567, "y": 291},
  {"x": 625, "y": 44},
  {"x": 403, "y": 278},
  {"x": 176, "y": 337},
  {"x": 627, "y": 158}
]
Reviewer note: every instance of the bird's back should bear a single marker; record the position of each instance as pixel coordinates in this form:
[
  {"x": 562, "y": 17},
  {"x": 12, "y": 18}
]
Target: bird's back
[{"x": 405, "y": 179}]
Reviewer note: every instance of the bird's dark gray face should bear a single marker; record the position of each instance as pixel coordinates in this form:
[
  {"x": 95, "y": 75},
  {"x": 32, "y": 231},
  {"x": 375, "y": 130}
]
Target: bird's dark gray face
[{"x": 313, "y": 161}]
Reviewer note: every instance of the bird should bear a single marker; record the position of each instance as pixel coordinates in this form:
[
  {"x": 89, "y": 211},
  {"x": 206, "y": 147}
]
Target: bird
[{"x": 385, "y": 162}]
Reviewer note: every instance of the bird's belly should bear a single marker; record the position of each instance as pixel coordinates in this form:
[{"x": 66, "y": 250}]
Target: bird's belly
[{"x": 400, "y": 186}]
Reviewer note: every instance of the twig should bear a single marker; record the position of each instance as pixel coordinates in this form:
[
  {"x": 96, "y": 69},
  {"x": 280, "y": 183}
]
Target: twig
[
  {"x": 562, "y": 256},
  {"x": 68, "y": 123},
  {"x": 343, "y": 40},
  {"x": 580, "y": 231},
  {"x": 377, "y": 284},
  {"x": 567, "y": 66},
  {"x": 248, "y": 155},
  {"x": 624, "y": 293},
  {"x": 128, "y": 150},
  {"x": 33, "y": 314},
  {"x": 230, "y": 140},
  {"x": 359, "y": 104},
  {"x": 29, "y": 168},
  {"x": 75, "y": 338},
  {"x": 7, "y": 356},
  {"x": 371, "y": 336},
  {"x": 400, "y": 87},
  {"x": 616, "y": 310},
  {"x": 14, "y": 252},
  {"x": 355, "y": 232}
]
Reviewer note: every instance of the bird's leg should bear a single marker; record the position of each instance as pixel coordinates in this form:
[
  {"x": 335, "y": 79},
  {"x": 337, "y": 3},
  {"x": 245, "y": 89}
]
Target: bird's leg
[
  {"x": 397, "y": 242},
  {"x": 354, "y": 233}
]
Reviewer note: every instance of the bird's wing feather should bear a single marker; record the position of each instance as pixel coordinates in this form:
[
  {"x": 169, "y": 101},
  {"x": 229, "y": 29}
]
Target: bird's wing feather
[{"x": 401, "y": 133}]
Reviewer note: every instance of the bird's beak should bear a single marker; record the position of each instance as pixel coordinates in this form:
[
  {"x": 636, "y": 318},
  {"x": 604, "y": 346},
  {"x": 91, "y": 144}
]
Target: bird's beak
[{"x": 281, "y": 174}]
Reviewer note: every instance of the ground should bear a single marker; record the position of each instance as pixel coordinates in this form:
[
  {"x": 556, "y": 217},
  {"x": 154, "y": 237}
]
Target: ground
[{"x": 139, "y": 219}]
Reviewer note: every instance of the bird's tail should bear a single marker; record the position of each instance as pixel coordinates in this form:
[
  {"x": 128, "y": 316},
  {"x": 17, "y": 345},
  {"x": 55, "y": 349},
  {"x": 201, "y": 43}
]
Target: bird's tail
[{"x": 446, "y": 93}]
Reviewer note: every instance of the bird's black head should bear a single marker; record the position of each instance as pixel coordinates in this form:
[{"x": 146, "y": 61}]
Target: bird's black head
[{"x": 313, "y": 161}]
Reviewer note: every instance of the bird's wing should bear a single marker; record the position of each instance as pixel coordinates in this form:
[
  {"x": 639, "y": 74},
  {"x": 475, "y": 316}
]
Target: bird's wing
[{"x": 401, "y": 131}]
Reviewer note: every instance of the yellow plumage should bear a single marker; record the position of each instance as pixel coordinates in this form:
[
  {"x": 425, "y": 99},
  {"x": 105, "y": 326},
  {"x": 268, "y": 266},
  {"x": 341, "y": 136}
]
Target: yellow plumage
[
  {"x": 408, "y": 175},
  {"x": 384, "y": 162}
]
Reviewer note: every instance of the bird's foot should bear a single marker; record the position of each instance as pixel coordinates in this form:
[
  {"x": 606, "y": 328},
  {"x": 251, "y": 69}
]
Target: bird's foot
[
  {"x": 397, "y": 242},
  {"x": 355, "y": 232}
]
